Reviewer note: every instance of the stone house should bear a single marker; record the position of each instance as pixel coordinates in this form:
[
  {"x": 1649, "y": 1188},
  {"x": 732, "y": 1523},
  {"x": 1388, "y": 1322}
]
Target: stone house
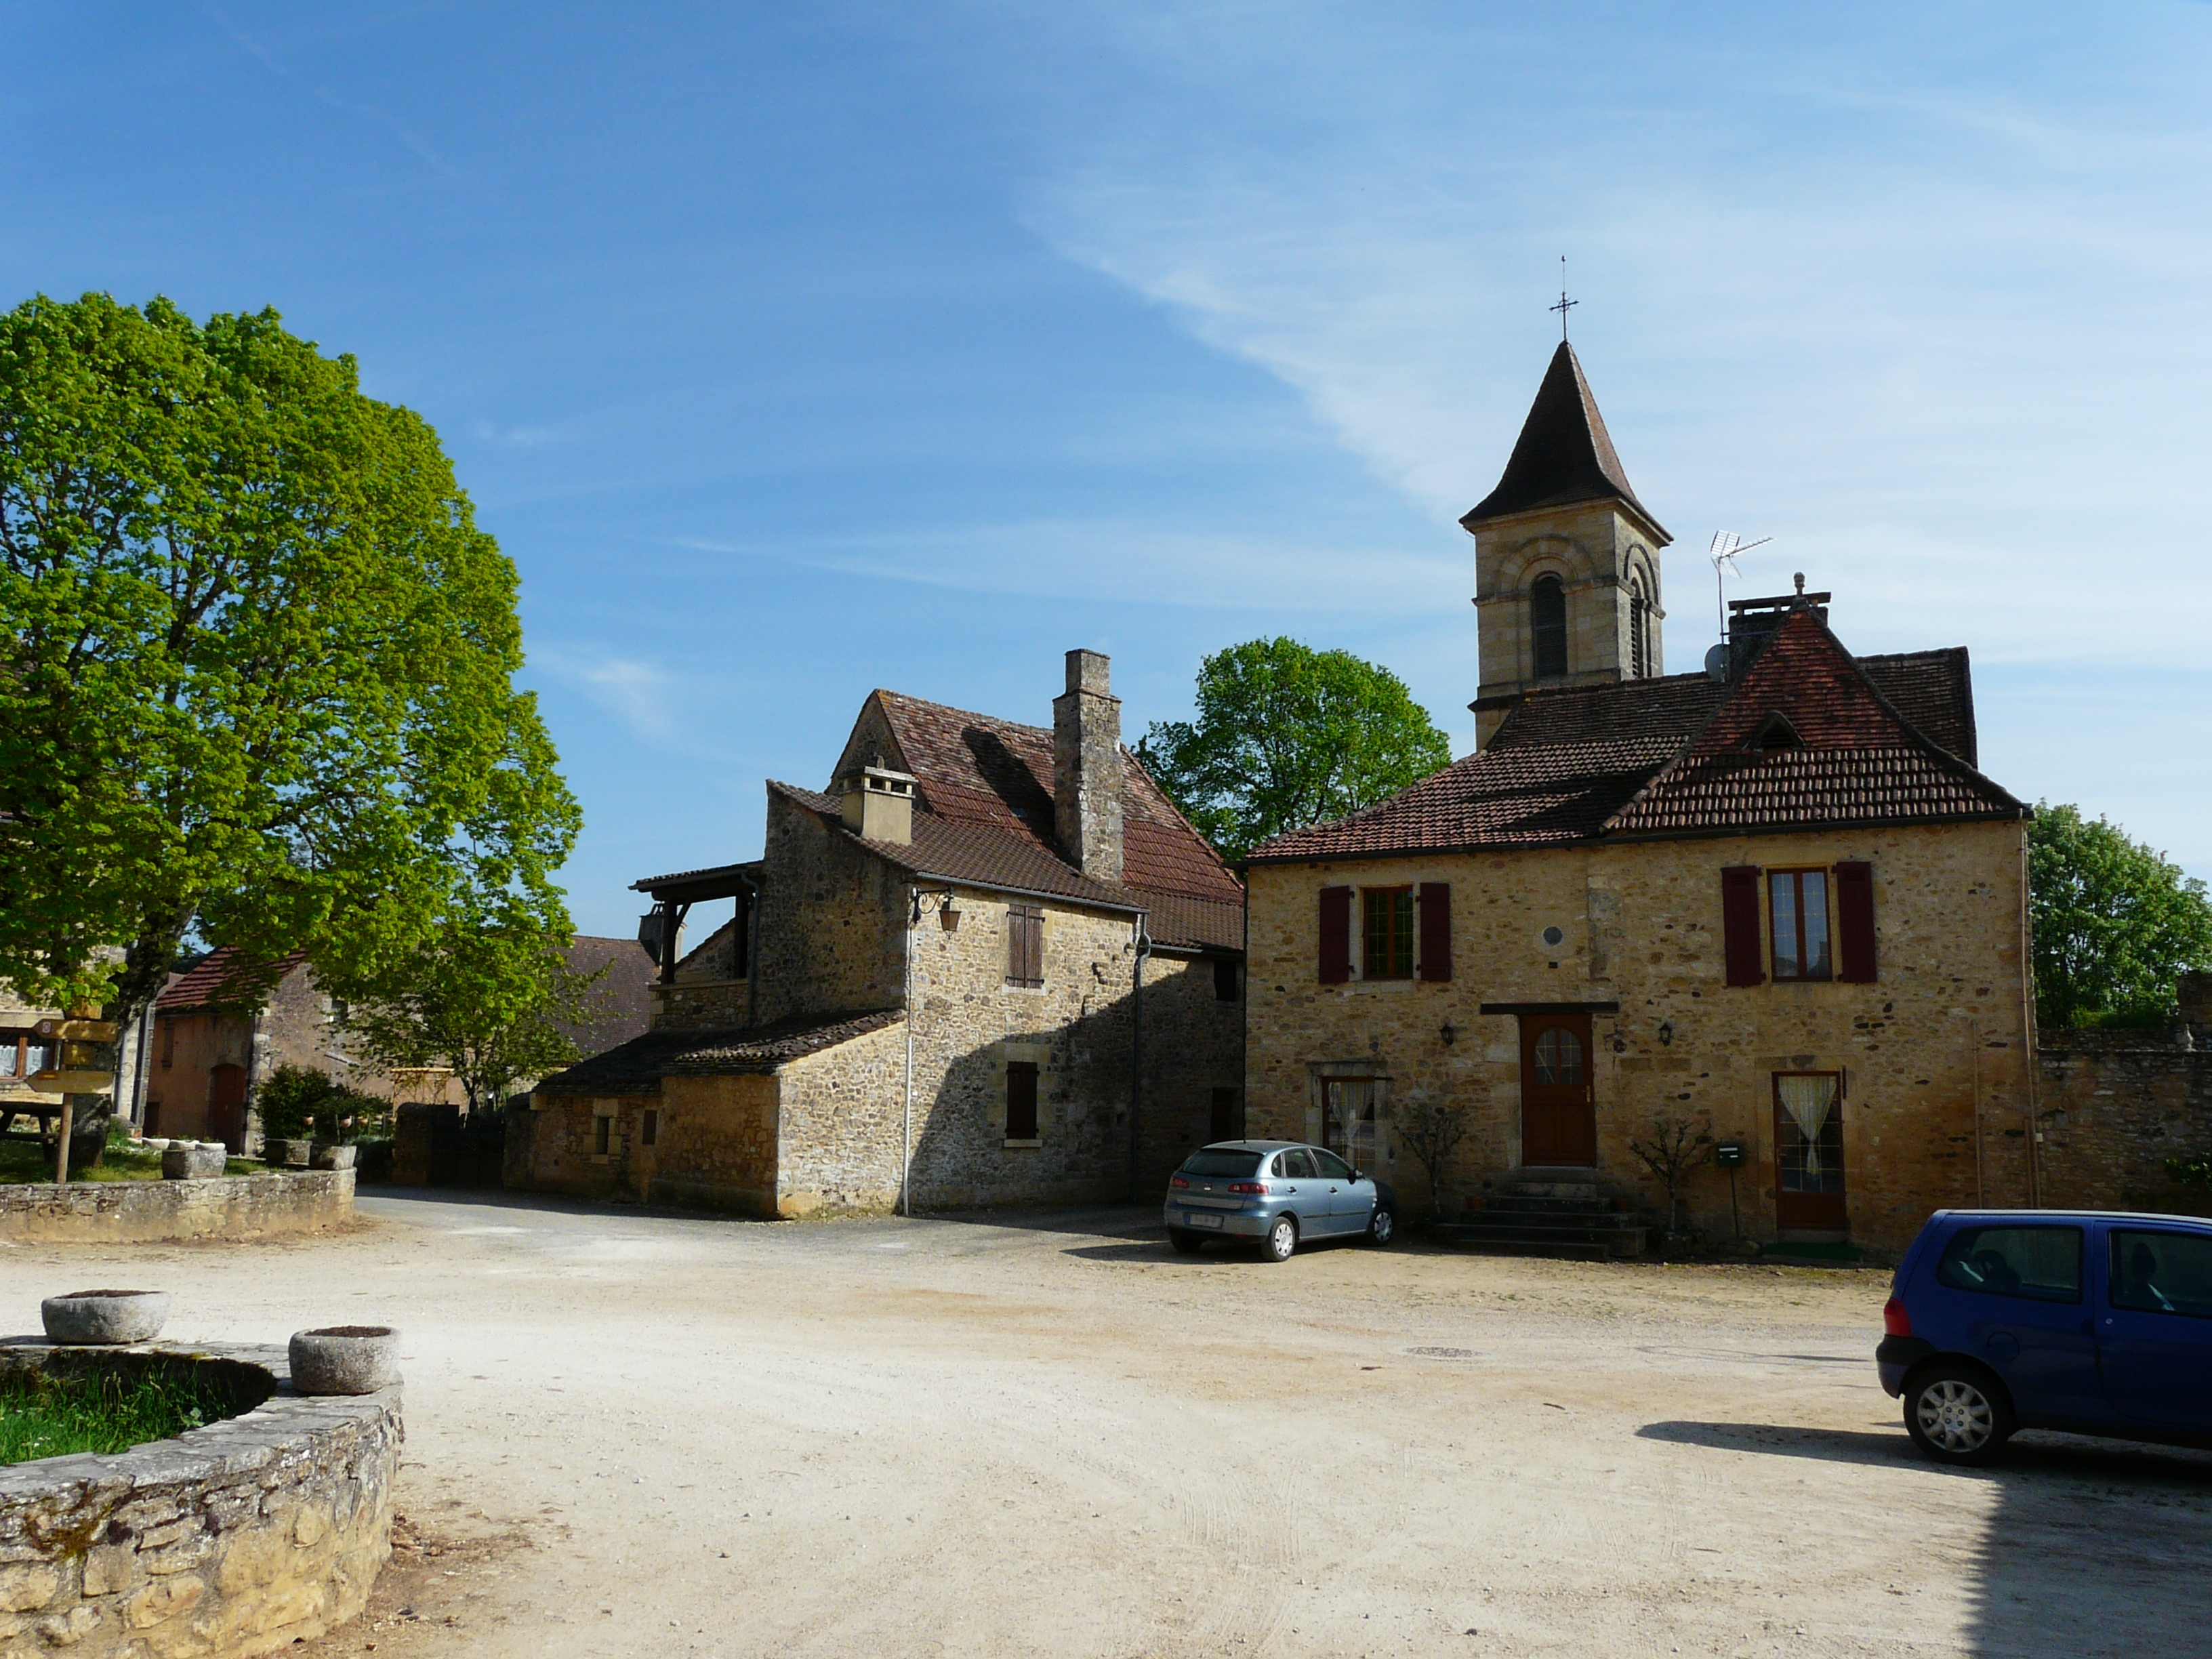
[
  {"x": 991, "y": 963},
  {"x": 218, "y": 1030},
  {"x": 1774, "y": 899}
]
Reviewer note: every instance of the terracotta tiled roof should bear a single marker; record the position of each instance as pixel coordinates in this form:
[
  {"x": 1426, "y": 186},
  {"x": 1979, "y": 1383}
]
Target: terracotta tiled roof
[
  {"x": 964, "y": 850},
  {"x": 1668, "y": 756},
  {"x": 993, "y": 772},
  {"x": 638, "y": 1066},
  {"x": 1564, "y": 455},
  {"x": 225, "y": 979}
]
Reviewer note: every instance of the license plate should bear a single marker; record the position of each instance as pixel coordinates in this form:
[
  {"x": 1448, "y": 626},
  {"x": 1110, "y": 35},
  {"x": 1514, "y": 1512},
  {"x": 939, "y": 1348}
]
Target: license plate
[{"x": 1199, "y": 1220}]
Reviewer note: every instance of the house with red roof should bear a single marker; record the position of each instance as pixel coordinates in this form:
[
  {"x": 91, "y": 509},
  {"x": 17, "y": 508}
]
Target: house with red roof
[
  {"x": 1772, "y": 903},
  {"x": 990, "y": 963}
]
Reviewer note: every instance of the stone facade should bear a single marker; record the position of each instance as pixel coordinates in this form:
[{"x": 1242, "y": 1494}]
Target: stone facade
[
  {"x": 964, "y": 916},
  {"x": 239, "y": 1539},
  {"x": 144, "y": 1211},
  {"x": 1935, "y": 1055}
]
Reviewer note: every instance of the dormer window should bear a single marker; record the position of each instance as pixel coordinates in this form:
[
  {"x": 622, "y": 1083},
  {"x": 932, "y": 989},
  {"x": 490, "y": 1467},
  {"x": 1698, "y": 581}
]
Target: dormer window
[
  {"x": 1547, "y": 626},
  {"x": 1775, "y": 731}
]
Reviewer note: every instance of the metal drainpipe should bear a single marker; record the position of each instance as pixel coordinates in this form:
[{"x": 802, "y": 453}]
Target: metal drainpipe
[
  {"x": 1144, "y": 945},
  {"x": 906, "y": 1128}
]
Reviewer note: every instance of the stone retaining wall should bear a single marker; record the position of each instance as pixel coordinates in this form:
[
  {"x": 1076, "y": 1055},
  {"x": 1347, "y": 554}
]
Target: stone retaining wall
[
  {"x": 237, "y": 1539},
  {"x": 2112, "y": 1106},
  {"x": 143, "y": 1212}
]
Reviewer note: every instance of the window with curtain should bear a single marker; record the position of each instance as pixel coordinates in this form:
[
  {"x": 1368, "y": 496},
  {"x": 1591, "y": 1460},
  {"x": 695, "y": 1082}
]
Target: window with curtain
[
  {"x": 1798, "y": 902},
  {"x": 1387, "y": 933},
  {"x": 1547, "y": 626},
  {"x": 1808, "y": 1152},
  {"x": 1348, "y": 1125}
]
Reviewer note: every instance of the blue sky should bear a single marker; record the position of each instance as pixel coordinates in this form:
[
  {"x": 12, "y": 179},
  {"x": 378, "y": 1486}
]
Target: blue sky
[{"x": 792, "y": 352}]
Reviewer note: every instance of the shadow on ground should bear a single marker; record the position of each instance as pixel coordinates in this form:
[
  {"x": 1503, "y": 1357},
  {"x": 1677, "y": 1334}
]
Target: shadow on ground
[{"x": 2092, "y": 1547}]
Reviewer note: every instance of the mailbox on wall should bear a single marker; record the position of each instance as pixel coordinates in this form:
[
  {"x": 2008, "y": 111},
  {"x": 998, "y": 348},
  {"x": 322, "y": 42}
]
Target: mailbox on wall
[{"x": 1730, "y": 1155}]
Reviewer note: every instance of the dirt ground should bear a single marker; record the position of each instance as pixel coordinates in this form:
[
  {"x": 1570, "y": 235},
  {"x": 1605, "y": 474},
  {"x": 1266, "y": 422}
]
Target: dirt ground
[{"x": 633, "y": 1434}]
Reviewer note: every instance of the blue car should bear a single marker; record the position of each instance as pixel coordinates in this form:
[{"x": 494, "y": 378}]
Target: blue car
[
  {"x": 2092, "y": 1321},
  {"x": 1276, "y": 1193}
]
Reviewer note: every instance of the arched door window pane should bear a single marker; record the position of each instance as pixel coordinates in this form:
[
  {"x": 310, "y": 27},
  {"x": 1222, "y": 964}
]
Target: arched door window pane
[{"x": 1547, "y": 626}]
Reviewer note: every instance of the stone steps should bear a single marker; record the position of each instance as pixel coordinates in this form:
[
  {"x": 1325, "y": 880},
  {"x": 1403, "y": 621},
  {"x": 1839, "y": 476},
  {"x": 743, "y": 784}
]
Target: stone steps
[{"x": 1550, "y": 1213}]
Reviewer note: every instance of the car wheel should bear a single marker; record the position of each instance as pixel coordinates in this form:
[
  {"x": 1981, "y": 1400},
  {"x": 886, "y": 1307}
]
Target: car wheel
[
  {"x": 1956, "y": 1414},
  {"x": 1186, "y": 1242},
  {"x": 1281, "y": 1241},
  {"x": 1383, "y": 1225}
]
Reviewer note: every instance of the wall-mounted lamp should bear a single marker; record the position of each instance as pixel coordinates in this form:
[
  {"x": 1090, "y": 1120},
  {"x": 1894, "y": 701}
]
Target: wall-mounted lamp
[
  {"x": 1619, "y": 1043},
  {"x": 1449, "y": 1032},
  {"x": 947, "y": 909},
  {"x": 1666, "y": 1032}
]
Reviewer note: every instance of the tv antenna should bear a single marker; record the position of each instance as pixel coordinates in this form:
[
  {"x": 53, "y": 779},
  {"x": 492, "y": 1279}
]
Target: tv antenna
[{"x": 1726, "y": 545}]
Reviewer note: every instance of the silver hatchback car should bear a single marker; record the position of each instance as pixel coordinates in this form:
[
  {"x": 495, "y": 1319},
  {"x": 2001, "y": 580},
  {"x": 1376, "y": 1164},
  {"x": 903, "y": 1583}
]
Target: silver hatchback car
[{"x": 1277, "y": 1193}]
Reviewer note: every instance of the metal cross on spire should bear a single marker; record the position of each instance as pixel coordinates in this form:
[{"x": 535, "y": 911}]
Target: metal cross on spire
[{"x": 1565, "y": 305}]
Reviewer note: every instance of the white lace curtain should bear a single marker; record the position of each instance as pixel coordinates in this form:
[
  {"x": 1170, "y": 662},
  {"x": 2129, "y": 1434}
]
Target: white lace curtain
[{"x": 1809, "y": 1100}]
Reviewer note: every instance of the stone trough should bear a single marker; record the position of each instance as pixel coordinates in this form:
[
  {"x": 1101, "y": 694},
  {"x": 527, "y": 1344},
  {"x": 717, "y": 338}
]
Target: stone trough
[{"x": 238, "y": 1538}]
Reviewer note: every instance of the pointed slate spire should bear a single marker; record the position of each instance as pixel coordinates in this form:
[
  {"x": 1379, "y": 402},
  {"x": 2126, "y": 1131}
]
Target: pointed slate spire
[{"x": 1564, "y": 455}]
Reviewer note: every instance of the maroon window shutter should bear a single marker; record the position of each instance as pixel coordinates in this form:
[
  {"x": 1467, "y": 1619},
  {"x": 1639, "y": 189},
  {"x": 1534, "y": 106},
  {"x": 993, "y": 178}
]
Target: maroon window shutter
[
  {"x": 1739, "y": 924},
  {"x": 1436, "y": 930},
  {"x": 1335, "y": 935},
  {"x": 1854, "y": 922}
]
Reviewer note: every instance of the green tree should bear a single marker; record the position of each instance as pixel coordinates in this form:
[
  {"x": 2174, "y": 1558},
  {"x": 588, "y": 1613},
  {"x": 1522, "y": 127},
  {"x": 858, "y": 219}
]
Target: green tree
[
  {"x": 2115, "y": 924},
  {"x": 259, "y": 659},
  {"x": 1287, "y": 736}
]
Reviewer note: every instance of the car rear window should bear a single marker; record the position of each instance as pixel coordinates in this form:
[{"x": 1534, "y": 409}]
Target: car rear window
[
  {"x": 2162, "y": 1272},
  {"x": 2041, "y": 1263},
  {"x": 1210, "y": 1162}
]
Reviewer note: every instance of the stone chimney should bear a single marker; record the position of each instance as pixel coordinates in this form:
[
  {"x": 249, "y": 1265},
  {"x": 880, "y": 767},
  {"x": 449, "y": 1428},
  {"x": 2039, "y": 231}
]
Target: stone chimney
[
  {"x": 1086, "y": 768},
  {"x": 878, "y": 805}
]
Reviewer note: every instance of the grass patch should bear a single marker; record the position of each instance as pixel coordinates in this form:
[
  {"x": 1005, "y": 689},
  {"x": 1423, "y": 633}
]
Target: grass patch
[
  {"x": 43, "y": 1414},
  {"x": 23, "y": 1161}
]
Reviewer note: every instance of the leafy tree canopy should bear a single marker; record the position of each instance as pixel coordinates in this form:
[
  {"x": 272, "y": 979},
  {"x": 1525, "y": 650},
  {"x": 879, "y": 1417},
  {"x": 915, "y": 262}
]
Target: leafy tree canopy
[
  {"x": 2115, "y": 924},
  {"x": 258, "y": 661},
  {"x": 1287, "y": 736}
]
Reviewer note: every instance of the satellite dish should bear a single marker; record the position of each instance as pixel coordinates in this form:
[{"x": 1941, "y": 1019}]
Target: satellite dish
[{"x": 1717, "y": 663}]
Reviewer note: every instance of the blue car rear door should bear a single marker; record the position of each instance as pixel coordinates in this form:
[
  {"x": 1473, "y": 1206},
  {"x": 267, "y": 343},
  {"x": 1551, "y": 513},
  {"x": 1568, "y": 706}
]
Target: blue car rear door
[{"x": 2154, "y": 1331}]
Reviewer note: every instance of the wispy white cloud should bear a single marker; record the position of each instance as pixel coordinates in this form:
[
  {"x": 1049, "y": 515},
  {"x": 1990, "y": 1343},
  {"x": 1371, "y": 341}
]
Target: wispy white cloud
[
  {"x": 1937, "y": 323},
  {"x": 641, "y": 694},
  {"x": 1093, "y": 560}
]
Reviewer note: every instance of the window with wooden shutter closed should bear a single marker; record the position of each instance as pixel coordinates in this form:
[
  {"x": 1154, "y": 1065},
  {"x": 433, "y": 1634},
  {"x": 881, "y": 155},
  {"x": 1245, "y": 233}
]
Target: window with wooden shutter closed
[
  {"x": 1855, "y": 923},
  {"x": 1739, "y": 924},
  {"x": 1436, "y": 931},
  {"x": 1335, "y": 935},
  {"x": 1024, "y": 946}
]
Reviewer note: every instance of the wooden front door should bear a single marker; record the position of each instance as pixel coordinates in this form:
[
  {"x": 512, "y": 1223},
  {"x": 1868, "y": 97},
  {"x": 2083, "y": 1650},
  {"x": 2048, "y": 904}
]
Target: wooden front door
[
  {"x": 1808, "y": 1149},
  {"x": 1558, "y": 1107},
  {"x": 226, "y": 1106}
]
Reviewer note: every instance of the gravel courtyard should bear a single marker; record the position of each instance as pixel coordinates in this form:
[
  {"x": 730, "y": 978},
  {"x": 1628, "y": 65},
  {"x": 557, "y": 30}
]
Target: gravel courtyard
[{"x": 633, "y": 1434}]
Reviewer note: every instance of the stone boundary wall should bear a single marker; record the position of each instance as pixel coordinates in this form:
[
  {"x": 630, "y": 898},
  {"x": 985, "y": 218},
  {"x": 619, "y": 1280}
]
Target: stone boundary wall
[
  {"x": 145, "y": 1212},
  {"x": 238, "y": 1539},
  {"x": 2112, "y": 1106}
]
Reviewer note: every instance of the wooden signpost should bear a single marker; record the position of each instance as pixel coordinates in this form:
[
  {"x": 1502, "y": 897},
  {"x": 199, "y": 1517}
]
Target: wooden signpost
[{"x": 86, "y": 1066}]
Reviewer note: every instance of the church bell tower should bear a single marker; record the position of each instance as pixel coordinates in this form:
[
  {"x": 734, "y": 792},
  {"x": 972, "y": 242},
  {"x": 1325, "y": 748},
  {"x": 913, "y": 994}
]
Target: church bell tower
[{"x": 1566, "y": 560}]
